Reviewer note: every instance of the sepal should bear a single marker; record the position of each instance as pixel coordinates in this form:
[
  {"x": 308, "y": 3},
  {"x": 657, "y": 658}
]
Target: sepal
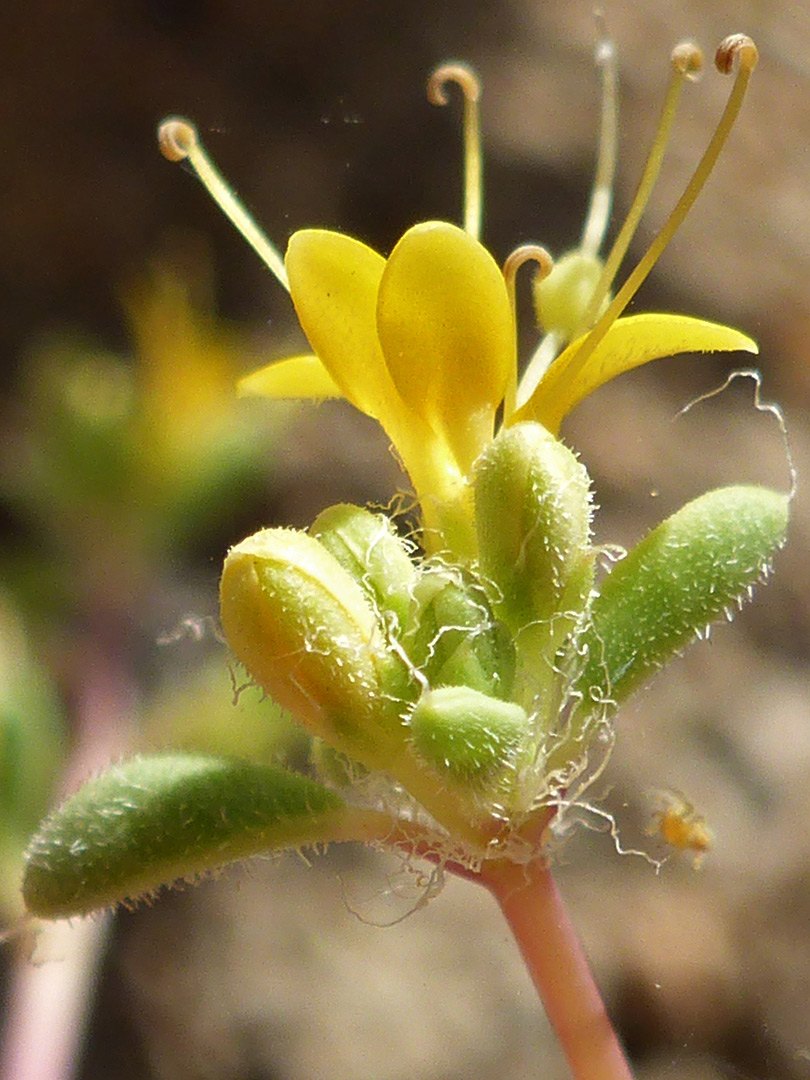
[
  {"x": 533, "y": 516},
  {"x": 453, "y": 637}
]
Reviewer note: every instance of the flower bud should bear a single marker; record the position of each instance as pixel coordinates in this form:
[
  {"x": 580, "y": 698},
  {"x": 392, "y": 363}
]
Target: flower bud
[
  {"x": 468, "y": 737},
  {"x": 453, "y": 637},
  {"x": 305, "y": 631},
  {"x": 532, "y": 506},
  {"x": 367, "y": 547}
]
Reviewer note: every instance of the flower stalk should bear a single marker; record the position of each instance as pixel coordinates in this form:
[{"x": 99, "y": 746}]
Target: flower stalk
[{"x": 532, "y": 906}]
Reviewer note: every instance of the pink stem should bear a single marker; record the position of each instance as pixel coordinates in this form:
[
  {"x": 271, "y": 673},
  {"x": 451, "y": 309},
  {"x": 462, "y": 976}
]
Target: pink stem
[{"x": 533, "y": 907}]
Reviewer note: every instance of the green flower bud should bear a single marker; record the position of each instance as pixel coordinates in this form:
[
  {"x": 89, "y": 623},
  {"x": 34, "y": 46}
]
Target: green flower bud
[
  {"x": 453, "y": 637},
  {"x": 306, "y": 632},
  {"x": 562, "y": 299},
  {"x": 533, "y": 514},
  {"x": 368, "y": 548},
  {"x": 468, "y": 737}
]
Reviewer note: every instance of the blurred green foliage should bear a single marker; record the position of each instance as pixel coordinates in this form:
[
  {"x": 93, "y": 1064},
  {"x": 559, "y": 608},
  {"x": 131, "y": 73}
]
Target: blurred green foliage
[
  {"x": 32, "y": 743},
  {"x": 114, "y": 471}
]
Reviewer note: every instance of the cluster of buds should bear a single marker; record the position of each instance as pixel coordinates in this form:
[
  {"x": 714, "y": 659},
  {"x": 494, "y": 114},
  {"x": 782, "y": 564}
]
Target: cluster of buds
[{"x": 456, "y": 680}]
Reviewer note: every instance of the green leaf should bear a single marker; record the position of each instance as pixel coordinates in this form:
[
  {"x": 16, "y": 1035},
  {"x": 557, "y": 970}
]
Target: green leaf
[
  {"x": 696, "y": 566},
  {"x": 156, "y": 819}
]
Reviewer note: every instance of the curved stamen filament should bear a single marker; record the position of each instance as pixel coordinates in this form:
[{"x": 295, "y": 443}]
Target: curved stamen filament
[
  {"x": 738, "y": 47},
  {"x": 687, "y": 63},
  {"x": 470, "y": 84},
  {"x": 521, "y": 255},
  {"x": 598, "y": 216},
  {"x": 179, "y": 141}
]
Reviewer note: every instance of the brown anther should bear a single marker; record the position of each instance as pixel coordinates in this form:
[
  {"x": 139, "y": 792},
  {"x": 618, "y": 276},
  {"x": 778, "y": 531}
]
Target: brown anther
[
  {"x": 736, "y": 47},
  {"x": 176, "y": 138},
  {"x": 457, "y": 72},
  {"x": 687, "y": 59}
]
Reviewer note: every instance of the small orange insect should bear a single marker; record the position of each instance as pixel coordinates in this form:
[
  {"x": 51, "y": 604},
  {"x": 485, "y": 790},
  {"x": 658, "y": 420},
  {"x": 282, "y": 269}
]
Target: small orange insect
[{"x": 681, "y": 826}]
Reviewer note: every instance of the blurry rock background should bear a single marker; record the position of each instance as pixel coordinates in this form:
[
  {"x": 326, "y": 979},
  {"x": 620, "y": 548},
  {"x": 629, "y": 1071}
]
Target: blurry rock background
[{"x": 316, "y": 111}]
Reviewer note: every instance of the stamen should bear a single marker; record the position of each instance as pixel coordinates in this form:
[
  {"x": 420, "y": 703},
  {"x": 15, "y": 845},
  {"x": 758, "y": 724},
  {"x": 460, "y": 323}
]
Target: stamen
[
  {"x": 737, "y": 46},
  {"x": 596, "y": 221},
  {"x": 465, "y": 77},
  {"x": 545, "y": 264},
  {"x": 733, "y": 47},
  {"x": 687, "y": 63},
  {"x": 521, "y": 255},
  {"x": 178, "y": 141}
]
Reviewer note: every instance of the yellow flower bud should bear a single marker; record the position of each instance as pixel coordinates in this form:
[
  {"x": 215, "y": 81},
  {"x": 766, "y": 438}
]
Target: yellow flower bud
[{"x": 305, "y": 631}]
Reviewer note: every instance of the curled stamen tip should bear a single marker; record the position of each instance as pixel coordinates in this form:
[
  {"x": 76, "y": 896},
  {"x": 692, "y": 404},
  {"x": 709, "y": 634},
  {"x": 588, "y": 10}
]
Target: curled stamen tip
[
  {"x": 605, "y": 51},
  {"x": 176, "y": 138},
  {"x": 458, "y": 72},
  {"x": 732, "y": 47},
  {"x": 528, "y": 253},
  {"x": 687, "y": 60}
]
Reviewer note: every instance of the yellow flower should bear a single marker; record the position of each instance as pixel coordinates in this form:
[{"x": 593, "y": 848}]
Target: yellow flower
[{"x": 424, "y": 342}]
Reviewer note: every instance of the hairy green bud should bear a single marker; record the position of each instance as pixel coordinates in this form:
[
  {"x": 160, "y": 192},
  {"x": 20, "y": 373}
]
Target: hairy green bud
[
  {"x": 453, "y": 637},
  {"x": 305, "y": 630},
  {"x": 368, "y": 548},
  {"x": 467, "y": 736},
  {"x": 533, "y": 515}
]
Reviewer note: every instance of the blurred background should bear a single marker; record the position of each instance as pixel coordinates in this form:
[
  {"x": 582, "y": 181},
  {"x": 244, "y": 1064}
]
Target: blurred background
[{"x": 127, "y": 467}]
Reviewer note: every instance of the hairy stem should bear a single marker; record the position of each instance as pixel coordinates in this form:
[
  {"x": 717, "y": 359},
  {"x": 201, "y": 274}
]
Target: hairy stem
[{"x": 533, "y": 907}]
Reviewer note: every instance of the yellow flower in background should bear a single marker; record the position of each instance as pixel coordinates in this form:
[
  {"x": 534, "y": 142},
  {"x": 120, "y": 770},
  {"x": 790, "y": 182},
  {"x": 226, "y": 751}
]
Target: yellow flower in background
[
  {"x": 187, "y": 362},
  {"x": 425, "y": 341},
  {"x": 152, "y": 443}
]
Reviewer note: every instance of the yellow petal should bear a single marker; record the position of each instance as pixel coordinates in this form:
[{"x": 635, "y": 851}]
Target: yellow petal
[
  {"x": 630, "y": 342},
  {"x": 445, "y": 325},
  {"x": 295, "y": 377},
  {"x": 334, "y": 282}
]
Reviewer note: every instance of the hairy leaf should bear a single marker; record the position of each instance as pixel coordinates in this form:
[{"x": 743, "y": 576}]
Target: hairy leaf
[
  {"x": 696, "y": 566},
  {"x": 156, "y": 819}
]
